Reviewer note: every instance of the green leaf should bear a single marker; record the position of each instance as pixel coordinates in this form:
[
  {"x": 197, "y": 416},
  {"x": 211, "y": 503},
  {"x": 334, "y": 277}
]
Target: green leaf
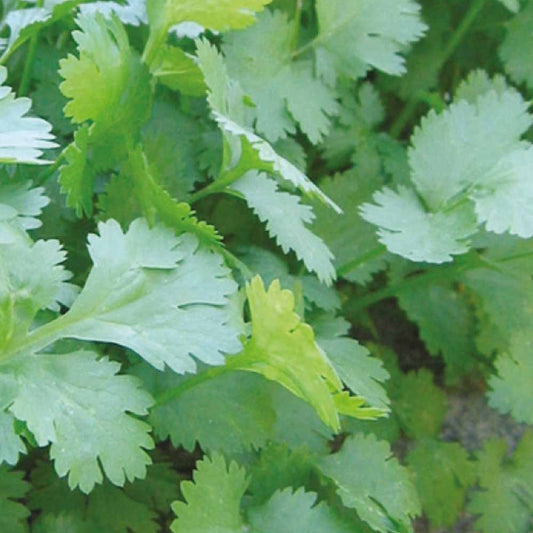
[
  {"x": 229, "y": 413},
  {"x": 362, "y": 373},
  {"x": 132, "y": 12},
  {"x": 284, "y": 91},
  {"x": 355, "y": 36},
  {"x": 107, "y": 84},
  {"x": 159, "y": 295},
  {"x": 77, "y": 176},
  {"x": 513, "y": 49},
  {"x": 443, "y": 473},
  {"x": 227, "y": 105},
  {"x": 19, "y": 207},
  {"x": 25, "y": 289},
  {"x": 11, "y": 444},
  {"x": 350, "y": 238},
  {"x": 294, "y": 512},
  {"x": 78, "y": 404},
  {"x": 286, "y": 220},
  {"x": 23, "y": 138},
  {"x": 283, "y": 349},
  {"x": 212, "y": 502},
  {"x": 407, "y": 229},
  {"x": 219, "y": 15},
  {"x": 445, "y": 321},
  {"x": 12, "y": 513},
  {"x": 506, "y": 499},
  {"x": 510, "y": 387},
  {"x": 108, "y": 508},
  {"x": 178, "y": 71},
  {"x": 373, "y": 483},
  {"x": 419, "y": 404}
]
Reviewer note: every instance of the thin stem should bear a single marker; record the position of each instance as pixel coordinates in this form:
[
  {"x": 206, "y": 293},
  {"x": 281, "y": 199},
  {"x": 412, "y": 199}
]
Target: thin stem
[
  {"x": 235, "y": 262},
  {"x": 194, "y": 381},
  {"x": 354, "y": 263},
  {"x": 30, "y": 59},
  {"x": 226, "y": 178},
  {"x": 297, "y": 20},
  {"x": 457, "y": 36},
  {"x": 356, "y": 305},
  {"x": 49, "y": 172},
  {"x": 403, "y": 118}
]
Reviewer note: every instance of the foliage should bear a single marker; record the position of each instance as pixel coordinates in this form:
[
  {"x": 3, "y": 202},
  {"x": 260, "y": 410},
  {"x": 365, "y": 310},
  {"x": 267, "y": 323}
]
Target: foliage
[{"x": 203, "y": 204}]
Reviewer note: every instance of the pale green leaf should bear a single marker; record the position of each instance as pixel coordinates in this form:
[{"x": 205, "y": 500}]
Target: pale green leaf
[
  {"x": 79, "y": 405},
  {"x": 11, "y": 444},
  {"x": 357, "y": 35},
  {"x": 22, "y": 138},
  {"x": 407, "y": 229},
  {"x": 286, "y": 221},
  {"x": 372, "y": 482},
  {"x": 212, "y": 501},
  {"x": 294, "y": 512},
  {"x": 510, "y": 388},
  {"x": 514, "y": 50},
  {"x": 159, "y": 295}
]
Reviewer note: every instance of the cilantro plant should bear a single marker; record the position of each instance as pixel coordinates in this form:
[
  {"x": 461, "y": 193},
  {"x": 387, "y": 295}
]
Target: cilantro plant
[{"x": 251, "y": 252}]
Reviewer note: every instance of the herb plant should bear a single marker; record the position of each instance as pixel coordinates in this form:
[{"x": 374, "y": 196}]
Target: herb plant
[{"x": 203, "y": 204}]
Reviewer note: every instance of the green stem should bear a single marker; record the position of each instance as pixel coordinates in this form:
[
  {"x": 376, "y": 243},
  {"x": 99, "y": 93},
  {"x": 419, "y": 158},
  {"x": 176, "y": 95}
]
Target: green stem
[
  {"x": 48, "y": 173},
  {"x": 457, "y": 36},
  {"x": 356, "y": 305},
  {"x": 297, "y": 21},
  {"x": 235, "y": 262},
  {"x": 354, "y": 263},
  {"x": 194, "y": 381},
  {"x": 30, "y": 59},
  {"x": 226, "y": 178},
  {"x": 403, "y": 118}
]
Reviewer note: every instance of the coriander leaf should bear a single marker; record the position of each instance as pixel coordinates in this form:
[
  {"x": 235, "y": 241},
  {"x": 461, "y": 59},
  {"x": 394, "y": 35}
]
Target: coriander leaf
[
  {"x": 443, "y": 473},
  {"x": 456, "y": 150},
  {"x": 77, "y": 176},
  {"x": 373, "y": 483},
  {"x": 226, "y": 101},
  {"x": 178, "y": 71},
  {"x": 407, "y": 229},
  {"x": 212, "y": 501},
  {"x": 229, "y": 413},
  {"x": 277, "y": 467},
  {"x": 357, "y": 35},
  {"x": 286, "y": 220},
  {"x": 117, "y": 99},
  {"x": 510, "y": 387},
  {"x": 511, "y": 5},
  {"x": 283, "y": 349},
  {"x": 506, "y": 499},
  {"x": 132, "y": 12},
  {"x": 79, "y": 405},
  {"x": 294, "y": 512},
  {"x": 514, "y": 48},
  {"x": 25, "y": 288},
  {"x": 159, "y": 295},
  {"x": 478, "y": 83},
  {"x": 19, "y": 206},
  {"x": 284, "y": 91},
  {"x": 349, "y": 236},
  {"x": 217, "y": 15},
  {"x": 25, "y": 23},
  {"x": 11, "y": 444},
  {"x": 419, "y": 404},
  {"x": 12, "y": 513},
  {"x": 445, "y": 321},
  {"x": 22, "y": 138},
  {"x": 362, "y": 373}
]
